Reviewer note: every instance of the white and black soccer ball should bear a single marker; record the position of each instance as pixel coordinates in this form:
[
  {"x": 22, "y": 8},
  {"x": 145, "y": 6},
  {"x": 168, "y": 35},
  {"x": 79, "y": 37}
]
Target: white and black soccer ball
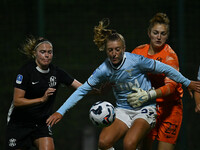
[{"x": 102, "y": 113}]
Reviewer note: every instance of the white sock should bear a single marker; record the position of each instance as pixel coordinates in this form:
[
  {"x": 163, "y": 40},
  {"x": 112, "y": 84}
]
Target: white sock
[{"x": 112, "y": 148}]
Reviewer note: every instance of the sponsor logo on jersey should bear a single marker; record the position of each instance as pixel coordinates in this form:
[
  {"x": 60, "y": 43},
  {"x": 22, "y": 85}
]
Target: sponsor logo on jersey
[
  {"x": 52, "y": 81},
  {"x": 19, "y": 79},
  {"x": 12, "y": 142},
  {"x": 126, "y": 86}
]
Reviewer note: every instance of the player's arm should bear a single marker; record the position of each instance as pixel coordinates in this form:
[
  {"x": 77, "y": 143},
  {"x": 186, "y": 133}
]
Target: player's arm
[
  {"x": 75, "y": 84},
  {"x": 19, "y": 99},
  {"x": 69, "y": 103},
  {"x": 170, "y": 85},
  {"x": 197, "y": 101},
  {"x": 140, "y": 96}
]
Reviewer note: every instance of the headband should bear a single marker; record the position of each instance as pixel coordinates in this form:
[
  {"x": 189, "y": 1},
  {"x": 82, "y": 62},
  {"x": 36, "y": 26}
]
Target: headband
[{"x": 41, "y": 42}]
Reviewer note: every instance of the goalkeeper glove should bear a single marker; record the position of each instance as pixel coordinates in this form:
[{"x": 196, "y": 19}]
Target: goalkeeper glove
[{"x": 139, "y": 96}]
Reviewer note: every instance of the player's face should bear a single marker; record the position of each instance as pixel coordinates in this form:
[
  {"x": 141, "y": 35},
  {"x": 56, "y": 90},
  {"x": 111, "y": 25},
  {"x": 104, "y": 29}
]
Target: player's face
[
  {"x": 44, "y": 55},
  {"x": 115, "y": 51},
  {"x": 158, "y": 35}
]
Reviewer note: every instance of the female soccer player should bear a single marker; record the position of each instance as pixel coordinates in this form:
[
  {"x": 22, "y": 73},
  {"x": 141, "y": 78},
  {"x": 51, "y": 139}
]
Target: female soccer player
[
  {"x": 34, "y": 96},
  {"x": 169, "y": 98},
  {"x": 124, "y": 71}
]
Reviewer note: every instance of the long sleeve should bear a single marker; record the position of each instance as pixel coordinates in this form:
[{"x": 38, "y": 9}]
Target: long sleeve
[{"x": 171, "y": 73}]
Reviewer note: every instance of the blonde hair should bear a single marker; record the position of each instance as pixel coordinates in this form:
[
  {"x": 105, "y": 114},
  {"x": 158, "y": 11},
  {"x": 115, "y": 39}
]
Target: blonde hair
[
  {"x": 31, "y": 44},
  {"x": 159, "y": 18},
  {"x": 102, "y": 35}
]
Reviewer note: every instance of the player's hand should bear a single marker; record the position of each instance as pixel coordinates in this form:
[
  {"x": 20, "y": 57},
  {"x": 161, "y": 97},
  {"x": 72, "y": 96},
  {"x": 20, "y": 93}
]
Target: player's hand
[
  {"x": 53, "y": 119},
  {"x": 193, "y": 86},
  {"x": 47, "y": 93},
  {"x": 137, "y": 97},
  {"x": 197, "y": 108},
  {"x": 190, "y": 92}
]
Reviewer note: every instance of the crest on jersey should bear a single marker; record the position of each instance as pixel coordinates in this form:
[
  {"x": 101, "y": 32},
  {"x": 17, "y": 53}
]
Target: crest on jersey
[
  {"x": 19, "y": 79},
  {"x": 159, "y": 59},
  {"x": 12, "y": 142},
  {"x": 129, "y": 72},
  {"x": 52, "y": 81}
]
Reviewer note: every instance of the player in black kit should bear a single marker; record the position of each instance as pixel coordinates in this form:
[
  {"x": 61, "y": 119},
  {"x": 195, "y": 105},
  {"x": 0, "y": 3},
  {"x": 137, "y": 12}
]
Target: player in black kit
[{"x": 34, "y": 96}]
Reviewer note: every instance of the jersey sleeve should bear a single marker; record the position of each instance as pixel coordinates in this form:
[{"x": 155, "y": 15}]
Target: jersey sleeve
[
  {"x": 171, "y": 73},
  {"x": 65, "y": 78},
  {"x": 146, "y": 64},
  {"x": 170, "y": 85},
  {"x": 92, "y": 81},
  {"x": 97, "y": 76},
  {"x": 22, "y": 79}
]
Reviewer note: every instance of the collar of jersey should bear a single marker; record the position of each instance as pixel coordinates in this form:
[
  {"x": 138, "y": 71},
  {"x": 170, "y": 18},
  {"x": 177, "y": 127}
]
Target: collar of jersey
[
  {"x": 42, "y": 71},
  {"x": 118, "y": 67}
]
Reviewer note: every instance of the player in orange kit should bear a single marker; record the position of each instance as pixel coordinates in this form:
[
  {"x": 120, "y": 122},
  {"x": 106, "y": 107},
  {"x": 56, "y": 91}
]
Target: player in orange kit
[{"x": 169, "y": 101}]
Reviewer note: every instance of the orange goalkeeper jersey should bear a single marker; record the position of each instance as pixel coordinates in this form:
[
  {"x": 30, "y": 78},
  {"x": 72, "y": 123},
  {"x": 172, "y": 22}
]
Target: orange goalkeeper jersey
[{"x": 166, "y": 85}]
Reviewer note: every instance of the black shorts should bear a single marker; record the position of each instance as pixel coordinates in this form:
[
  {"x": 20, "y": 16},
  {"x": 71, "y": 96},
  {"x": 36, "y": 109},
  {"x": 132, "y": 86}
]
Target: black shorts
[{"x": 22, "y": 136}]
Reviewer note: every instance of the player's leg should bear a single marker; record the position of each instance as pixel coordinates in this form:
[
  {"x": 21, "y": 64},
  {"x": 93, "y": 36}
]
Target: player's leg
[
  {"x": 44, "y": 143},
  {"x": 146, "y": 144},
  {"x": 109, "y": 135},
  {"x": 143, "y": 122},
  {"x": 18, "y": 136},
  {"x": 165, "y": 146},
  {"x": 169, "y": 128},
  {"x": 42, "y": 137},
  {"x": 136, "y": 133}
]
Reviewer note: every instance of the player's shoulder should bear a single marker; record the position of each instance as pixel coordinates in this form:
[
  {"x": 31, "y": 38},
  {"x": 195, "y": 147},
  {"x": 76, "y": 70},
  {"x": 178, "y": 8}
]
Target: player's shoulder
[
  {"x": 134, "y": 58},
  {"x": 170, "y": 57},
  {"x": 169, "y": 50},
  {"x": 132, "y": 55},
  {"x": 141, "y": 49},
  {"x": 103, "y": 67}
]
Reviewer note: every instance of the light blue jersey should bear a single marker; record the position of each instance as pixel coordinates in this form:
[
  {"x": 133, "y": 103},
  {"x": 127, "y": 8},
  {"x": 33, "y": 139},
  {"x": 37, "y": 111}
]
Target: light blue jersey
[
  {"x": 198, "y": 77},
  {"x": 132, "y": 72}
]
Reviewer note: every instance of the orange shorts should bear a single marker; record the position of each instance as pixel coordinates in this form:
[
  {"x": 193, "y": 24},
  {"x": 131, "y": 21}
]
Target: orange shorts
[{"x": 168, "y": 122}]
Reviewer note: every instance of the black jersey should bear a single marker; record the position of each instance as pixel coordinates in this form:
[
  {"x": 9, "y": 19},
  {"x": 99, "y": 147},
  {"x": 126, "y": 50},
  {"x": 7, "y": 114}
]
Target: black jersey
[{"x": 35, "y": 82}]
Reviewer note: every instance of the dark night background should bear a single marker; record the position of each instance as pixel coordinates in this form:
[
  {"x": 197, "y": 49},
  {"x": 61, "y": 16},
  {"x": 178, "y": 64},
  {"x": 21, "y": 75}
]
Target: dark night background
[{"x": 69, "y": 25}]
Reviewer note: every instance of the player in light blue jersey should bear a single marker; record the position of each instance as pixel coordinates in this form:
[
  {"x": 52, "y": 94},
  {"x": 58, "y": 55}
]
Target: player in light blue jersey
[
  {"x": 124, "y": 71},
  {"x": 197, "y": 95}
]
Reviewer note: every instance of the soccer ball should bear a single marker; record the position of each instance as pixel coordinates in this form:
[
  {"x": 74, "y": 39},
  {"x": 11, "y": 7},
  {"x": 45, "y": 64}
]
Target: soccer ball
[{"x": 102, "y": 114}]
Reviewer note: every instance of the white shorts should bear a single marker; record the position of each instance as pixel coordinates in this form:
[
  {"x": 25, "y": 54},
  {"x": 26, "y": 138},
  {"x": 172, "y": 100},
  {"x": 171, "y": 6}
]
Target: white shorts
[{"x": 147, "y": 113}]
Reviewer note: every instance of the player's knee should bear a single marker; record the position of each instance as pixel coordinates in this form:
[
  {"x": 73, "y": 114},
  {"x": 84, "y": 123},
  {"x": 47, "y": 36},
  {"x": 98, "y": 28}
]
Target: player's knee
[
  {"x": 130, "y": 144},
  {"x": 104, "y": 144}
]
